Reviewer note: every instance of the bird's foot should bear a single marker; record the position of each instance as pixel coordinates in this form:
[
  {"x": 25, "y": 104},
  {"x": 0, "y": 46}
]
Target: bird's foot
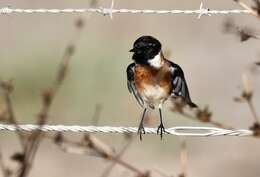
[
  {"x": 161, "y": 130},
  {"x": 141, "y": 131}
]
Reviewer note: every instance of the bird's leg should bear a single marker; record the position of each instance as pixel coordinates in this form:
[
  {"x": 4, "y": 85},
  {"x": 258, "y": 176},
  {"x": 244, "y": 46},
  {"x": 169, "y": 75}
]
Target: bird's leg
[
  {"x": 161, "y": 128},
  {"x": 141, "y": 129}
]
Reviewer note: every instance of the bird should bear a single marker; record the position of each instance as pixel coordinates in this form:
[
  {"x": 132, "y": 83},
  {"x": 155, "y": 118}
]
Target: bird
[{"x": 152, "y": 79}]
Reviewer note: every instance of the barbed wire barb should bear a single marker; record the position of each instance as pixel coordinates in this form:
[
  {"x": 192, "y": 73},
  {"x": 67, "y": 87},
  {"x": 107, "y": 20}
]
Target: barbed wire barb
[
  {"x": 178, "y": 131},
  {"x": 203, "y": 11}
]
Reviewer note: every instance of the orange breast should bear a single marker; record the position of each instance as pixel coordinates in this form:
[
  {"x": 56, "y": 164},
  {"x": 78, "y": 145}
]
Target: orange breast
[{"x": 146, "y": 76}]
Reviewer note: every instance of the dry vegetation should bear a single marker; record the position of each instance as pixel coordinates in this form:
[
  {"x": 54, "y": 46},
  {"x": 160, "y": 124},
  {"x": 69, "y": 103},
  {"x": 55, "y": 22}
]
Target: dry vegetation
[{"x": 90, "y": 144}]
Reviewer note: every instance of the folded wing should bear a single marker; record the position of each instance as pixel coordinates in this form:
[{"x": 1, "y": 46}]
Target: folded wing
[
  {"x": 131, "y": 83},
  {"x": 180, "y": 88}
]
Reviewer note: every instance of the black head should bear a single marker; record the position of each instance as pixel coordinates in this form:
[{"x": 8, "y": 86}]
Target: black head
[{"x": 145, "y": 48}]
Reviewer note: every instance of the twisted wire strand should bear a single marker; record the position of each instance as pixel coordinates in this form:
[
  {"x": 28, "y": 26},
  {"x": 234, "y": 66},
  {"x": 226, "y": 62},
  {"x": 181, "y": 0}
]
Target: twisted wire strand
[
  {"x": 109, "y": 11},
  {"x": 178, "y": 131}
]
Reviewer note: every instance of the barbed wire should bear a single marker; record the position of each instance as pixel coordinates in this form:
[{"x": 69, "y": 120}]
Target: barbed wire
[
  {"x": 110, "y": 11},
  {"x": 178, "y": 131}
]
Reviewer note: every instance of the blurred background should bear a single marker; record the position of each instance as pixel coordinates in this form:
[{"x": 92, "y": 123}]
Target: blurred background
[{"x": 31, "y": 49}]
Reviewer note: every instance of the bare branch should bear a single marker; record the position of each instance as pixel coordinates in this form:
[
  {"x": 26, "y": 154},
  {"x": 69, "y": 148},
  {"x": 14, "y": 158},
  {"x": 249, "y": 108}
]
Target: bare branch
[
  {"x": 93, "y": 146},
  {"x": 202, "y": 115},
  {"x": 244, "y": 33},
  {"x": 108, "y": 170},
  {"x": 253, "y": 10},
  {"x": 7, "y": 89},
  {"x": 161, "y": 173},
  {"x": 183, "y": 158},
  {"x": 47, "y": 100},
  {"x": 5, "y": 171},
  {"x": 247, "y": 96}
]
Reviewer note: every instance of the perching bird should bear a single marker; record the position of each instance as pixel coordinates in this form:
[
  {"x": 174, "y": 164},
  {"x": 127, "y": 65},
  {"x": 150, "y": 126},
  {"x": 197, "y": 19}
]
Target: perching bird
[{"x": 152, "y": 79}]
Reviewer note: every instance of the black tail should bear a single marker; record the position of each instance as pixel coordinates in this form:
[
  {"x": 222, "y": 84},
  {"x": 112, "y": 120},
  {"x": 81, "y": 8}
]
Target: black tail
[
  {"x": 192, "y": 105},
  {"x": 187, "y": 98}
]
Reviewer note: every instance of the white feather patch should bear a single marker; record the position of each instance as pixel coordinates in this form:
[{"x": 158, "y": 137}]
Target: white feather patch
[{"x": 156, "y": 61}]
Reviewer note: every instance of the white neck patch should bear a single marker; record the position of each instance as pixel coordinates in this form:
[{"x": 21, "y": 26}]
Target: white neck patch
[{"x": 156, "y": 61}]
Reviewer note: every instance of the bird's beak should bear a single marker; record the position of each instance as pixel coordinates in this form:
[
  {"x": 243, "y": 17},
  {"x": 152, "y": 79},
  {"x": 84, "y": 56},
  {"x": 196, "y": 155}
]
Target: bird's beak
[{"x": 132, "y": 50}]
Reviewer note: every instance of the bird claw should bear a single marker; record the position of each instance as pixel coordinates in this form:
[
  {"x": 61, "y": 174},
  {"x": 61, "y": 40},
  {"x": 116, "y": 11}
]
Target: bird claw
[
  {"x": 141, "y": 131},
  {"x": 161, "y": 130}
]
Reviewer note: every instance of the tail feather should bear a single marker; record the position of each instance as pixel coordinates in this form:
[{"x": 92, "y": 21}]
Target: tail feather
[{"x": 192, "y": 105}]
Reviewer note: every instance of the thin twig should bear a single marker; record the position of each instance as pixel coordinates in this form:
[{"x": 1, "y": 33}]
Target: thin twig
[
  {"x": 7, "y": 89},
  {"x": 5, "y": 171},
  {"x": 199, "y": 116},
  {"x": 183, "y": 158},
  {"x": 252, "y": 108},
  {"x": 98, "y": 147},
  {"x": 48, "y": 97},
  {"x": 247, "y": 96},
  {"x": 161, "y": 173},
  {"x": 250, "y": 9},
  {"x": 244, "y": 33},
  {"x": 129, "y": 166},
  {"x": 108, "y": 170}
]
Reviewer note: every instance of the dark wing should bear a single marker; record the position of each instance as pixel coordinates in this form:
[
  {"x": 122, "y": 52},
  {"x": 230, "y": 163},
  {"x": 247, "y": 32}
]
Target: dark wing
[
  {"x": 131, "y": 83},
  {"x": 180, "y": 88}
]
